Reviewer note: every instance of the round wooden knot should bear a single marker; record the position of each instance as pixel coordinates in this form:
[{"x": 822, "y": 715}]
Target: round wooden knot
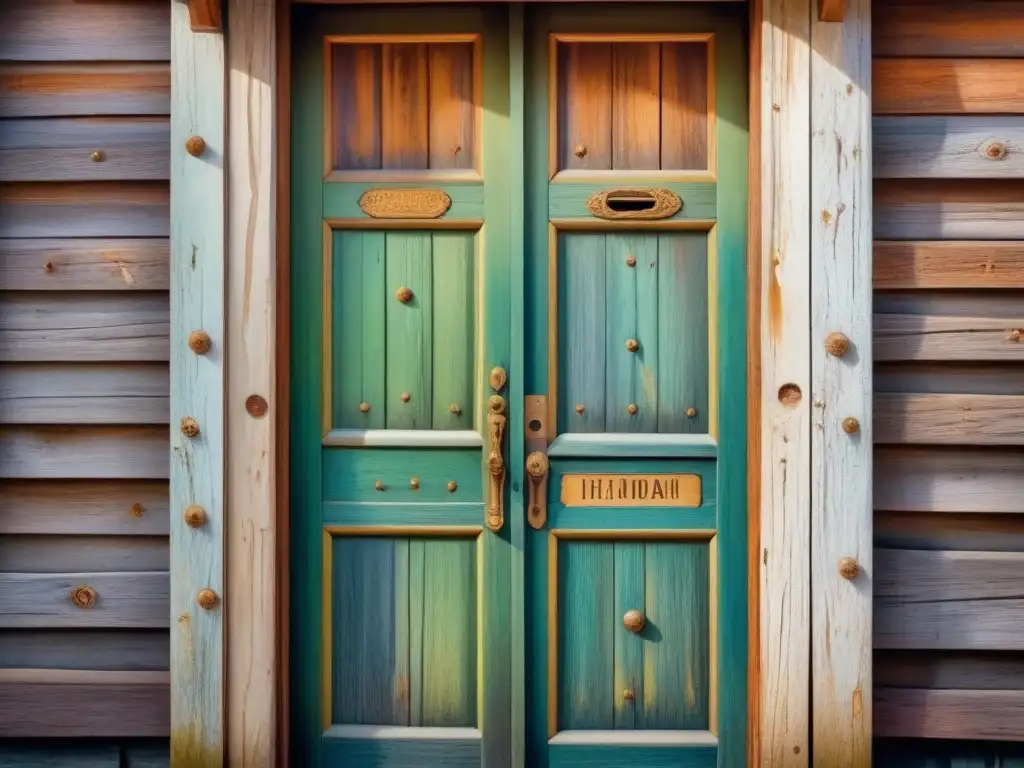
[
  {"x": 580, "y": 151},
  {"x": 48, "y": 267},
  {"x": 364, "y": 407},
  {"x": 454, "y": 408},
  {"x": 631, "y": 261},
  {"x": 457, "y": 149},
  {"x": 83, "y": 597},
  {"x": 631, "y": 409},
  {"x": 790, "y": 395},
  {"x": 849, "y": 568},
  {"x": 1015, "y": 334},
  {"x": 994, "y": 150},
  {"x": 404, "y": 294},
  {"x": 452, "y": 486},
  {"x": 837, "y": 344},
  {"x": 691, "y": 412},
  {"x": 256, "y": 406},
  {"x": 206, "y": 599},
  {"x": 98, "y": 156},
  {"x": 200, "y": 342},
  {"x": 628, "y": 695},
  {"x": 195, "y": 516},
  {"x": 189, "y": 427},
  {"x": 195, "y": 146},
  {"x": 632, "y": 345},
  {"x": 404, "y": 397},
  {"x": 579, "y": 408},
  {"x": 851, "y": 426},
  {"x": 634, "y": 620},
  {"x": 414, "y": 483},
  {"x": 379, "y": 485},
  {"x": 137, "y": 510}
]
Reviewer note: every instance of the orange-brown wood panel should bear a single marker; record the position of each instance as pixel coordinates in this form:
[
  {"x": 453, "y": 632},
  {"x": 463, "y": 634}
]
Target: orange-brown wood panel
[
  {"x": 585, "y": 106},
  {"x": 452, "y": 110},
  {"x": 948, "y": 264},
  {"x": 356, "y": 126},
  {"x": 55, "y": 90},
  {"x": 684, "y": 106},
  {"x": 953, "y": 28},
  {"x": 949, "y": 714},
  {"x": 948, "y": 86},
  {"x": 404, "y": 106},
  {"x": 636, "y": 106}
]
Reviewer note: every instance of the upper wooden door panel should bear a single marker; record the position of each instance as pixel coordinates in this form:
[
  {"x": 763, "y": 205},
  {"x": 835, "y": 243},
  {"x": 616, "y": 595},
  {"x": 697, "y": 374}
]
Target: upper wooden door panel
[
  {"x": 628, "y": 103},
  {"x": 402, "y": 106}
]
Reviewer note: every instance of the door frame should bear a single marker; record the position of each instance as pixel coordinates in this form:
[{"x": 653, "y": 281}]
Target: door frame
[{"x": 255, "y": 649}]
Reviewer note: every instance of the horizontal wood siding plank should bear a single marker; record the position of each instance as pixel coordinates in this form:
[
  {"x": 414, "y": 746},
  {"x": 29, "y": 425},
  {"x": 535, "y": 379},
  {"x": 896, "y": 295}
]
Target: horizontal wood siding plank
[
  {"x": 84, "y": 393},
  {"x": 123, "y": 600},
  {"x": 918, "y": 479},
  {"x": 70, "y": 30},
  {"x": 85, "y": 507},
  {"x": 949, "y": 714},
  {"x": 85, "y": 452},
  {"x": 85, "y": 265},
  {"x": 962, "y": 378},
  {"x": 61, "y": 755},
  {"x": 941, "y": 147},
  {"x": 83, "y": 554},
  {"x": 948, "y": 86},
  {"x": 948, "y": 209},
  {"x": 921, "y": 576},
  {"x": 85, "y": 209},
  {"x": 105, "y": 649},
  {"x": 948, "y": 28},
  {"x": 948, "y": 265},
  {"x": 95, "y": 704},
  {"x": 946, "y": 669},
  {"x": 85, "y": 149},
  {"x": 981, "y": 625},
  {"x": 929, "y": 337},
  {"x": 949, "y": 419},
  {"x": 949, "y": 531},
  {"x": 55, "y": 327},
  {"x": 94, "y": 89}
]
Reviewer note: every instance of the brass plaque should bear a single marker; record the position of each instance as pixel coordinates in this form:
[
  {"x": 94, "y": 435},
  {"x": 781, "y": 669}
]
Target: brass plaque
[
  {"x": 665, "y": 490},
  {"x": 405, "y": 203}
]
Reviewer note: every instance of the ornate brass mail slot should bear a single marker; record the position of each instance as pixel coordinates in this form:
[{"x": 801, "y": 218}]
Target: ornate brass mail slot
[
  {"x": 405, "y": 203},
  {"x": 667, "y": 490},
  {"x": 637, "y": 204}
]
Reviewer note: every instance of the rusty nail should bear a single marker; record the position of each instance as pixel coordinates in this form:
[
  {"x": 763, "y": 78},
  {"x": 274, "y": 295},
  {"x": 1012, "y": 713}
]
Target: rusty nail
[
  {"x": 137, "y": 510},
  {"x": 579, "y": 408},
  {"x": 364, "y": 407},
  {"x": 405, "y": 397},
  {"x": 195, "y": 516},
  {"x": 195, "y": 146},
  {"x": 83, "y": 597},
  {"x": 631, "y": 261},
  {"x": 837, "y": 344},
  {"x": 206, "y": 599},
  {"x": 452, "y": 486},
  {"x": 691, "y": 412},
  {"x": 851, "y": 426},
  {"x": 379, "y": 485},
  {"x": 98, "y": 156},
  {"x": 849, "y": 568},
  {"x": 632, "y": 345},
  {"x": 404, "y": 294},
  {"x": 189, "y": 427},
  {"x": 256, "y": 406},
  {"x": 631, "y": 409},
  {"x": 414, "y": 483},
  {"x": 200, "y": 342}
]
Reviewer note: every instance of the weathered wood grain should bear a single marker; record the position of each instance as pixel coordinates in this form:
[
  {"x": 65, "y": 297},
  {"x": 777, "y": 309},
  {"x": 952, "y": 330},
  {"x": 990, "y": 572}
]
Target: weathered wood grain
[
  {"x": 252, "y": 534},
  {"x": 915, "y": 28},
  {"x": 584, "y": 104},
  {"x": 84, "y": 452},
  {"x": 69, "y": 90},
  {"x": 943, "y": 378},
  {"x": 101, "y": 649},
  {"x": 54, "y": 327},
  {"x": 943, "y": 669},
  {"x": 48, "y": 703},
  {"x": 942, "y": 209},
  {"x": 70, "y": 30},
  {"x": 950, "y": 714},
  {"x": 82, "y": 554},
  {"x": 976, "y": 532},
  {"x": 85, "y": 507},
  {"x": 198, "y": 294},
  {"x": 92, "y": 264},
  {"x": 949, "y": 265},
  {"x": 84, "y": 393},
  {"x": 841, "y": 469},
  {"x": 917, "y": 479},
  {"x": 636, "y": 106},
  {"x": 948, "y": 86},
  {"x": 939, "y": 337},
  {"x": 940, "y": 147},
  {"x": 785, "y": 460},
  {"x": 948, "y": 419},
  {"x": 84, "y": 209},
  {"x": 85, "y": 149},
  {"x": 123, "y": 600}
]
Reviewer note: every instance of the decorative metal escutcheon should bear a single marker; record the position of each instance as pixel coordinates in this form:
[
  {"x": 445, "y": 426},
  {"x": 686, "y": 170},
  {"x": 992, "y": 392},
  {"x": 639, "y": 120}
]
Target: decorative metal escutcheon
[
  {"x": 496, "y": 421},
  {"x": 636, "y": 204},
  {"x": 405, "y": 203}
]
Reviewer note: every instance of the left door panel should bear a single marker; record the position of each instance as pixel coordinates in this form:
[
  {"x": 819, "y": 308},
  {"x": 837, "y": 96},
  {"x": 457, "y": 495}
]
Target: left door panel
[{"x": 400, "y": 340}]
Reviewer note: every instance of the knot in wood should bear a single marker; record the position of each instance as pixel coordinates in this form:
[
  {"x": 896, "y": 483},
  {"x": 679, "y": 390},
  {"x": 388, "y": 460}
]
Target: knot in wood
[
  {"x": 1015, "y": 334},
  {"x": 137, "y": 510},
  {"x": 200, "y": 342},
  {"x": 195, "y": 516},
  {"x": 849, "y": 568},
  {"x": 206, "y": 599},
  {"x": 837, "y": 344},
  {"x": 634, "y": 620},
  {"x": 631, "y": 409},
  {"x": 48, "y": 267},
  {"x": 691, "y": 412},
  {"x": 256, "y": 406},
  {"x": 631, "y": 261},
  {"x": 189, "y": 427},
  {"x": 632, "y": 345},
  {"x": 452, "y": 486},
  {"x": 404, "y": 294},
  {"x": 994, "y": 150},
  {"x": 580, "y": 151},
  {"x": 454, "y": 408},
  {"x": 195, "y": 146},
  {"x": 83, "y": 597},
  {"x": 790, "y": 395},
  {"x": 98, "y": 156},
  {"x": 851, "y": 426}
]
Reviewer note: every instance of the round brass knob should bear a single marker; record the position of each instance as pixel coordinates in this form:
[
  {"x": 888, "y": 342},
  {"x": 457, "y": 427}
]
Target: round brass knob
[
  {"x": 195, "y": 516},
  {"x": 189, "y": 427},
  {"x": 207, "y": 599},
  {"x": 849, "y": 568},
  {"x": 452, "y": 486},
  {"x": 580, "y": 408},
  {"x": 580, "y": 151},
  {"x": 837, "y": 344},
  {"x": 83, "y": 597},
  {"x": 364, "y": 407},
  {"x": 195, "y": 146},
  {"x": 200, "y": 342},
  {"x": 631, "y": 409},
  {"x": 379, "y": 485},
  {"x": 414, "y": 483},
  {"x": 404, "y": 397},
  {"x": 631, "y": 261},
  {"x": 628, "y": 695},
  {"x": 454, "y": 409},
  {"x": 98, "y": 156},
  {"x": 633, "y": 620},
  {"x": 691, "y": 412},
  {"x": 404, "y": 294},
  {"x": 851, "y": 426},
  {"x": 632, "y": 345}
]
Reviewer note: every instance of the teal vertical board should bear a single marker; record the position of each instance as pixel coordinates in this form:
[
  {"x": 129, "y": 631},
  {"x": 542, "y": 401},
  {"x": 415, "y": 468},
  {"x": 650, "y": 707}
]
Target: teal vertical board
[
  {"x": 683, "y": 331},
  {"x": 454, "y": 347},
  {"x": 369, "y": 659},
  {"x": 629, "y": 646},
  {"x": 409, "y": 330},
  {"x": 417, "y": 600},
  {"x": 357, "y": 329},
  {"x": 581, "y": 328},
  {"x": 632, "y": 313},
  {"x": 586, "y": 604},
  {"x": 448, "y": 649},
  {"x": 676, "y": 636}
]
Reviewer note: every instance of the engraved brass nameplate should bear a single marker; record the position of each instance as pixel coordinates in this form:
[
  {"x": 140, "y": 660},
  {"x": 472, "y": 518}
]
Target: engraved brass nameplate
[
  {"x": 405, "y": 203},
  {"x": 667, "y": 490}
]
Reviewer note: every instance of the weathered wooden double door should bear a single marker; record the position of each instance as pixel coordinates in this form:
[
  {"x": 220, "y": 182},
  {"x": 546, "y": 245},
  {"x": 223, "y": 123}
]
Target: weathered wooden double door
[{"x": 518, "y": 385}]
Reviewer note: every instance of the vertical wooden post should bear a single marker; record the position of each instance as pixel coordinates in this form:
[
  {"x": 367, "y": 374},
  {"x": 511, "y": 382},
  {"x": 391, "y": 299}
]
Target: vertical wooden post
[
  {"x": 197, "y": 393},
  {"x": 841, "y": 503},
  {"x": 785, "y": 462},
  {"x": 252, "y": 401}
]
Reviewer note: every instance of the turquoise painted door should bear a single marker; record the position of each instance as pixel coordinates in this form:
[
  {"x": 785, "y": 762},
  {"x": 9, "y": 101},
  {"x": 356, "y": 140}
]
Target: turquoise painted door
[{"x": 517, "y": 443}]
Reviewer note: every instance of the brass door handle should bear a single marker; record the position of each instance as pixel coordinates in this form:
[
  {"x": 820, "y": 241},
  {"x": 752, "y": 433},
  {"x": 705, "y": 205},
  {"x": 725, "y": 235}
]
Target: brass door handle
[
  {"x": 496, "y": 422},
  {"x": 537, "y": 478}
]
